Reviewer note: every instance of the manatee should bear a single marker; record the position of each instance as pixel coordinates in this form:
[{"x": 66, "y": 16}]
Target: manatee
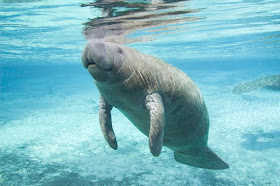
[
  {"x": 159, "y": 99},
  {"x": 271, "y": 82}
]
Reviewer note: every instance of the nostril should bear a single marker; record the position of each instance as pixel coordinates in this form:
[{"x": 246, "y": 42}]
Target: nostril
[{"x": 120, "y": 51}]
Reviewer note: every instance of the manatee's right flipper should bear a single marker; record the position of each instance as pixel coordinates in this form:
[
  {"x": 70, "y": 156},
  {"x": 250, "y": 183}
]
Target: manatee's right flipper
[
  {"x": 257, "y": 84},
  {"x": 157, "y": 119},
  {"x": 106, "y": 122},
  {"x": 206, "y": 159}
]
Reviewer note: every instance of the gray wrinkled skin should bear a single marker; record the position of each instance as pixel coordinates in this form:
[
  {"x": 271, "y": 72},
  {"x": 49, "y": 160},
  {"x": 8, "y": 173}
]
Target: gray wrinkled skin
[
  {"x": 271, "y": 82},
  {"x": 159, "y": 99}
]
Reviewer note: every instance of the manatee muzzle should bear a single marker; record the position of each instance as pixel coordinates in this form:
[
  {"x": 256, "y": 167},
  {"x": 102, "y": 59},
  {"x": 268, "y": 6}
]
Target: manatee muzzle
[{"x": 96, "y": 56}]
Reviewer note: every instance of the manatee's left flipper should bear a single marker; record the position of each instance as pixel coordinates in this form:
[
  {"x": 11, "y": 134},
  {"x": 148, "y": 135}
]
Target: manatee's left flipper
[
  {"x": 106, "y": 123},
  {"x": 155, "y": 105}
]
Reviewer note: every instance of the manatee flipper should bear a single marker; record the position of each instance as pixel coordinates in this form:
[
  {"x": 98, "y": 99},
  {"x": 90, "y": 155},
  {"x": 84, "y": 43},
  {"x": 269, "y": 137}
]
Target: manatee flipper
[
  {"x": 203, "y": 159},
  {"x": 257, "y": 84},
  {"x": 106, "y": 123},
  {"x": 155, "y": 106}
]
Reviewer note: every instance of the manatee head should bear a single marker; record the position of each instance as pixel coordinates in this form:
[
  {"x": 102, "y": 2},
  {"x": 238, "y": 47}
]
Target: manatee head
[{"x": 103, "y": 60}]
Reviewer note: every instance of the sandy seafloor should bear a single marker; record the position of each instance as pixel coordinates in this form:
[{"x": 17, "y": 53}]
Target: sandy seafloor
[{"x": 49, "y": 131}]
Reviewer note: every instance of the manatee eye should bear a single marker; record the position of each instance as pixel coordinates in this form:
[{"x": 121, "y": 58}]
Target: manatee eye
[{"x": 120, "y": 51}]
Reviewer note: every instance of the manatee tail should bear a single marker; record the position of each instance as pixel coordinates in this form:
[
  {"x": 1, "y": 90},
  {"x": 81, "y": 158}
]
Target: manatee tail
[
  {"x": 257, "y": 84},
  {"x": 206, "y": 159}
]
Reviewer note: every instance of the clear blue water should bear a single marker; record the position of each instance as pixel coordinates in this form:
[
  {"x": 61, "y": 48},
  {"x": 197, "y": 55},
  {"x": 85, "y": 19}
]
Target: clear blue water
[{"x": 49, "y": 131}]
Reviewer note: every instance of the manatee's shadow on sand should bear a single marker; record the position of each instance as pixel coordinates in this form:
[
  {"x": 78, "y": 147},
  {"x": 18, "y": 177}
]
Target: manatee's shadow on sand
[{"x": 260, "y": 140}]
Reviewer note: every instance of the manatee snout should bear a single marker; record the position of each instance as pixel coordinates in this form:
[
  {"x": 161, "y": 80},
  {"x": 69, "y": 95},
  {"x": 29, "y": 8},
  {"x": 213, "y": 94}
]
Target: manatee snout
[{"x": 95, "y": 55}]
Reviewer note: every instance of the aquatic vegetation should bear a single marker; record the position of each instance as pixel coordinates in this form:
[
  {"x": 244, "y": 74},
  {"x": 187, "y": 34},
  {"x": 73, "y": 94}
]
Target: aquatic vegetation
[{"x": 271, "y": 82}]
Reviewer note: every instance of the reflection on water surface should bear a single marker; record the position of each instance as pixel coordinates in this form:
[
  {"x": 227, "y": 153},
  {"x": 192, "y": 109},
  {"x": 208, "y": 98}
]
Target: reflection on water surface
[{"x": 121, "y": 18}]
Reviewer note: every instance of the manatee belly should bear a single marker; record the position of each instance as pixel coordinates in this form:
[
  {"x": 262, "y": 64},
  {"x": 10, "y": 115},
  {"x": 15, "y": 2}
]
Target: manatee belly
[{"x": 181, "y": 132}]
